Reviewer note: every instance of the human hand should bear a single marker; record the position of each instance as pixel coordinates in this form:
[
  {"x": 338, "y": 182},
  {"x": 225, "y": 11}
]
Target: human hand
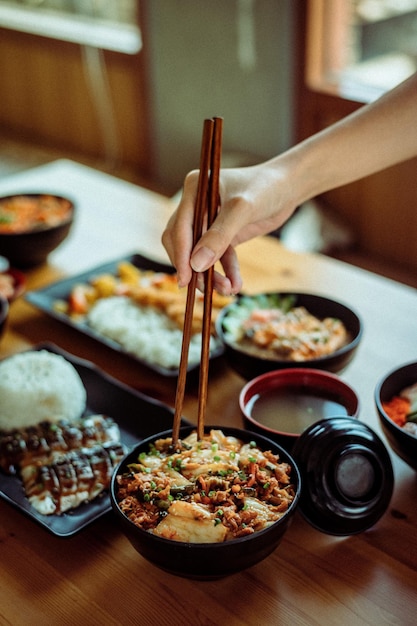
[{"x": 254, "y": 201}]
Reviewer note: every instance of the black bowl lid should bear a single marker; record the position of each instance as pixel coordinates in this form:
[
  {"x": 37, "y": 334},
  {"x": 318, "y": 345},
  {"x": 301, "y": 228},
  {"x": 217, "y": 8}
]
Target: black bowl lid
[{"x": 347, "y": 476}]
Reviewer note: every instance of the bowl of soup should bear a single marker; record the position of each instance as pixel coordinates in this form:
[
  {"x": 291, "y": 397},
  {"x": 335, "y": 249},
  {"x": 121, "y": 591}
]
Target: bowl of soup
[
  {"x": 205, "y": 508},
  {"x": 283, "y": 404},
  {"x": 32, "y": 225},
  {"x": 271, "y": 331}
]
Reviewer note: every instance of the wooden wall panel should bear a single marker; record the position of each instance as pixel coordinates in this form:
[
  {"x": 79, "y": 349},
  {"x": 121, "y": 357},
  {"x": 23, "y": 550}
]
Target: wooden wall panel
[{"x": 46, "y": 99}]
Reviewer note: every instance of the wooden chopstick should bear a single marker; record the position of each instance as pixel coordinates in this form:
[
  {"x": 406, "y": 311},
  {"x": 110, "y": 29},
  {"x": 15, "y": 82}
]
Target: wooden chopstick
[
  {"x": 201, "y": 203},
  {"x": 213, "y": 204}
]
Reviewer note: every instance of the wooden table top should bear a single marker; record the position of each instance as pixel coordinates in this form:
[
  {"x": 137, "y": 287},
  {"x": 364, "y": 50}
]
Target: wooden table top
[{"x": 95, "y": 576}]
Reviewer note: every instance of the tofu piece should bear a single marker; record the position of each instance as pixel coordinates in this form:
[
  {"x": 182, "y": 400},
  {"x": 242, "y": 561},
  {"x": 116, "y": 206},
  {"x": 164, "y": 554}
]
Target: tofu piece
[{"x": 190, "y": 523}]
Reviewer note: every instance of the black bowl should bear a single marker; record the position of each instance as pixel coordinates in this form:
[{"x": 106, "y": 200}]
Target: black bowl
[
  {"x": 313, "y": 394},
  {"x": 403, "y": 443},
  {"x": 4, "y": 314},
  {"x": 250, "y": 365},
  {"x": 206, "y": 561},
  {"x": 30, "y": 248}
]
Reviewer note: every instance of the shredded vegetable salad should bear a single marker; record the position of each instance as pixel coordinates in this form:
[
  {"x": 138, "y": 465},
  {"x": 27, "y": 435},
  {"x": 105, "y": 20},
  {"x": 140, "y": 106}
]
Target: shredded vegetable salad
[{"x": 210, "y": 490}]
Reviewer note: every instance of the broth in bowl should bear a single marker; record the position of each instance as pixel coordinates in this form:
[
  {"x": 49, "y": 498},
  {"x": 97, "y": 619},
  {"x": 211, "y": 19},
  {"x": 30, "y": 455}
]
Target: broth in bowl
[
  {"x": 282, "y": 404},
  {"x": 293, "y": 410}
]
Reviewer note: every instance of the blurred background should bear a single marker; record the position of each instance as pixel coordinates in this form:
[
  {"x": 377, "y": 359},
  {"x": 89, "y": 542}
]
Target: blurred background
[{"x": 124, "y": 86}]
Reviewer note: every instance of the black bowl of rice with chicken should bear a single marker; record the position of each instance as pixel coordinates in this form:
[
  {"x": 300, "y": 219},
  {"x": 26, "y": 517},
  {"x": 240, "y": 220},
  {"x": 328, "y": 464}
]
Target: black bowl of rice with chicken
[{"x": 206, "y": 508}]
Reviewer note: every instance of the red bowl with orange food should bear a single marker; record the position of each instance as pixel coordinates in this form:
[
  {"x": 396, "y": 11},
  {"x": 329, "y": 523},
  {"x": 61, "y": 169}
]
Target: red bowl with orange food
[
  {"x": 32, "y": 225},
  {"x": 395, "y": 399}
]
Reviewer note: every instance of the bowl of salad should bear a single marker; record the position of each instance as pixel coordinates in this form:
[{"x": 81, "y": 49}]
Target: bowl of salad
[
  {"x": 271, "y": 331},
  {"x": 32, "y": 225},
  {"x": 396, "y": 404}
]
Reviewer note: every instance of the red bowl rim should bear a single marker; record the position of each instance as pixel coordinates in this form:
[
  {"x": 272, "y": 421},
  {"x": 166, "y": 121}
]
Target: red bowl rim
[{"x": 326, "y": 381}]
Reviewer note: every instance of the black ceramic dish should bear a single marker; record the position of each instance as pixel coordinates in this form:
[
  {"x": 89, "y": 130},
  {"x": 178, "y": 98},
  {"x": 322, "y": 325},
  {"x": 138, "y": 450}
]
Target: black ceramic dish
[
  {"x": 249, "y": 366},
  {"x": 403, "y": 443},
  {"x": 209, "y": 560},
  {"x": 297, "y": 382},
  {"x": 347, "y": 476},
  {"x": 137, "y": 415},
  {"x": 31, "y": 248},
  {"x": 45, "y": 299}
]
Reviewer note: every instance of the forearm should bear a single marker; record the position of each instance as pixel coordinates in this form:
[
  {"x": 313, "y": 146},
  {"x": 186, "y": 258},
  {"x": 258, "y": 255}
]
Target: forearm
[
  {"x": 259, "y": 199},
  {"x": 376, "y": 136}
]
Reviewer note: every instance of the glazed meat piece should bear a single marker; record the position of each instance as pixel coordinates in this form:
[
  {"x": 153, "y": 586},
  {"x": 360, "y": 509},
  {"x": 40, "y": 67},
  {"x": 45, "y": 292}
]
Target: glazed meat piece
[
  {"x": 36, "y": 444},
  {"x": 71, "y": 478}
]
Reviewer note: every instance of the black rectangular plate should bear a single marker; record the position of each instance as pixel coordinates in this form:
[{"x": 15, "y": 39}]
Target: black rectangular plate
[
  {"x": 138, "y": 417},
  {"x": 45, "y": 299}
]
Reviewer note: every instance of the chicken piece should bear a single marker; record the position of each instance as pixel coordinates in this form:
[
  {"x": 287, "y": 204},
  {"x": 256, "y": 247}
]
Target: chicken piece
[
  {"x": 189, "y": 522},
  {"x": 36, "y": 444},
  {"x": 70, "y": 479}
]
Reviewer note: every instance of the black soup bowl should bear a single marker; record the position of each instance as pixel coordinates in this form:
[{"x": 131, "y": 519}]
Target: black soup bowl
[
  {"x": 403, "y": 443},
  {"x": 29, "y": 246},
  {"x": 206, "y": 561},
  {"x": 250, "y": 364}
]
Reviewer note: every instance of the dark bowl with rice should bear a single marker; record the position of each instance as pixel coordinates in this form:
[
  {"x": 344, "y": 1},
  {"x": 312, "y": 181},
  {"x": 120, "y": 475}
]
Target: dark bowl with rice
[
  {"x": 32, "y": 225},
  {"x": 250, "y": 359},
  {"x": 393, "y": 385},
  {"x": 210, "y": 560}
]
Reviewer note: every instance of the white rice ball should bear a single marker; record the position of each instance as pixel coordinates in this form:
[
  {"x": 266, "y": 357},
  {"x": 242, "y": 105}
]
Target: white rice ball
[{"x": 37, "y": 386}]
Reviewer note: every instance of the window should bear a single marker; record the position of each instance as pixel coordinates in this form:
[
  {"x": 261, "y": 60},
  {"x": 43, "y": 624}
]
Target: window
[
  {"x": 358, "y": 49},
  {"x": 106, "y": 24}
]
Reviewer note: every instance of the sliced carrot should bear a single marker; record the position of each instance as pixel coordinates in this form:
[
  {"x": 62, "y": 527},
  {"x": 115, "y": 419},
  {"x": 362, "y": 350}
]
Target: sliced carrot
[{"x": 397, "y": 409}]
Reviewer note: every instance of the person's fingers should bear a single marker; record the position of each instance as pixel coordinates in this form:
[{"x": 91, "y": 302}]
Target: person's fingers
[
  {"x": 231, "y": 282},
  {"x": 223, "y": 233},
  {"x": 177, "y": 237}
]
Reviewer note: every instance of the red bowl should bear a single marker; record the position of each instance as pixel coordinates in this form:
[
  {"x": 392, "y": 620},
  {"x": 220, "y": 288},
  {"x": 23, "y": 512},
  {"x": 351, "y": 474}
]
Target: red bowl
[
  {"x": 4, "y": 314},
  {"x": 283, "y": 403},
  {"x": 15, "y": 284}
]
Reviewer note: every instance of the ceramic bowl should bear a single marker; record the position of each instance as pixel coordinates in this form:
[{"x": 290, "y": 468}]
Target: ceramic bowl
[
  {"x": 206, "y": 560},
  {"x": 283, "y": 403},
  {"x": 4, "y": 314},
  {"x": 12, "y": 284},
  {"x": 250, "y": 365},
  {"x": 32, "y": 247},
  {"x": 403, "y": 443}
]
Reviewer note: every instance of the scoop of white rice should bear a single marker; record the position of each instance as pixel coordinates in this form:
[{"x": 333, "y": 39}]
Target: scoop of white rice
[
  {"x": 37, "y": 386},
  {"x": 143, "y": 331}
]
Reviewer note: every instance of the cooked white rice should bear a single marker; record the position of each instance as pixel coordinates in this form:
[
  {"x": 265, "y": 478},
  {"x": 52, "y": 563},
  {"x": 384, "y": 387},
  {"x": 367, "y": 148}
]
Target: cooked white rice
[
  {"x": 37, "y": 386},
  {"x": 143, "y": 331}
]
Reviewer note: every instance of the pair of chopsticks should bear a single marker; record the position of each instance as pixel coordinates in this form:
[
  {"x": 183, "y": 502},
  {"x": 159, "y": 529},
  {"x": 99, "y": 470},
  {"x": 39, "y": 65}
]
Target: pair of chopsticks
[{"x": 207, "y": 203}]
